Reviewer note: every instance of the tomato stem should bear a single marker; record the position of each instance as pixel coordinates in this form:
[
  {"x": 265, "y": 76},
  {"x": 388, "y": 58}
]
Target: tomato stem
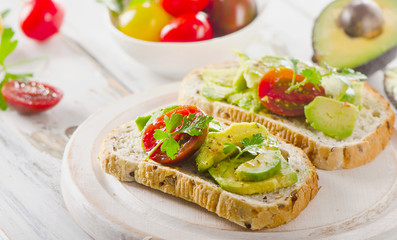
[
  {"x": 154, "y": 149},
  {"x": 231, "y": 162},
  {"x": 25, "y": 61}
]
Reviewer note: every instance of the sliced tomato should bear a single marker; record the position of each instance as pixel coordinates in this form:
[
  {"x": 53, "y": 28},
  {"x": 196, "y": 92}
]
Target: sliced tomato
[
  {"x": 272, "y": 92},
  {"x": 188, "y": 27},
  {"x": 30, "y": 97},
  {"x": 189, "y": 144}
]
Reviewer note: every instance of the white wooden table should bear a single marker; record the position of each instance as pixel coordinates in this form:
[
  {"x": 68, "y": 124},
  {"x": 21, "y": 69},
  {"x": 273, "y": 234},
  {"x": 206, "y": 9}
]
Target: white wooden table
[{"x": 92, "y": 71}]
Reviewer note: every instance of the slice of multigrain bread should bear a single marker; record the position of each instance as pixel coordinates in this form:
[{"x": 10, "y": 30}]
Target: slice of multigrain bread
[
  {"x": 121, "y": 155},
  {"x": 371, "y": 134}
]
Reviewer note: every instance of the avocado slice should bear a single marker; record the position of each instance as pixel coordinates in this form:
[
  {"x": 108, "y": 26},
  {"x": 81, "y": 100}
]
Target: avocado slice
[
  {"x": 262, "y": 167},
  {"x": 211, "y": 151},
  {"x": 334, "y": 118},
  {"x": 366, "y": 51},
  {"x": 224, "y": 174},
  {"x": 220, "y": 76},
  {"x": 390, "y": 85}
]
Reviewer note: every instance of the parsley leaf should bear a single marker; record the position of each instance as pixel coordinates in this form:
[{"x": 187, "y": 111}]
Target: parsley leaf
[
  {"x": 4, "y": 13},
  {"x": 294, "y": 62},
  {"x": 230, "y": 147},
  {"x": 174, "y": 122},
  {"x": 253, "y": 146},
  {"x": 7, "y": 45},
  {"x": 192, "y": 125},
  {"x": 312, "y": 75}
]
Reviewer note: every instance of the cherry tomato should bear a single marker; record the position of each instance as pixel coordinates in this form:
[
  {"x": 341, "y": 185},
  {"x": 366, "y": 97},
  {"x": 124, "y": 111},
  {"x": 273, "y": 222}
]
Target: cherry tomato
[
  {"x": 41, "y": 19},
  {"x": 178, "y": 7},
  {"x": 272, "y": 93},
  {"x": 31, "y": 97},
  {"x": 144, "y": 21},
  {"x": 227, "y": 16},
  {"x": 188, "y": 27},
  {"x": 189, "y": 144},
  {"x": 1, "y": 26}
]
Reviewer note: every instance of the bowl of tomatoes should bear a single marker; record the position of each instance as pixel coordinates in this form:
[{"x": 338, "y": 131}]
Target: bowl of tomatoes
[{"x": 173, "y": 37}]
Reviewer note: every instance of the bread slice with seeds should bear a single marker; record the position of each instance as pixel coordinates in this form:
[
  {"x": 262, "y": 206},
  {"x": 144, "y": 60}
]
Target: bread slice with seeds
[
  {"x": 121, "y": 155},
  {"x": 370, "y": 136}
]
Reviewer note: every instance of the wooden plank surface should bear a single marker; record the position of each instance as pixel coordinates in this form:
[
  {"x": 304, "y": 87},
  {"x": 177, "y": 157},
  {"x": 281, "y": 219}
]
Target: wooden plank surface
[{"x": 93, "y": 71}]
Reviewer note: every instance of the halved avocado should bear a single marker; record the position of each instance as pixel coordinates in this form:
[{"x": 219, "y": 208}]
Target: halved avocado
[{"x": 357, "y": 34}]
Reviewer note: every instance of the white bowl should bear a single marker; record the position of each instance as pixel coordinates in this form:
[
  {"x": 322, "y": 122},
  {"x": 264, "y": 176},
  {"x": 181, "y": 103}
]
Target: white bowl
[{"x": 177, "y": 59}]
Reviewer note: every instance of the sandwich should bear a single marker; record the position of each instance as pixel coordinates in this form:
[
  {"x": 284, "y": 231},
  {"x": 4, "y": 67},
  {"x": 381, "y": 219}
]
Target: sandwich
[
  {"x": 334, "y": 116},
  {"x": 240, "y": 172}
]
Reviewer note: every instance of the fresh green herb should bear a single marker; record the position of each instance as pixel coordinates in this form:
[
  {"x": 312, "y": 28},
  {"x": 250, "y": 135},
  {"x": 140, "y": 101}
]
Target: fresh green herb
[
  {"x": 114, "y": 5},
  {"x": 294, "y": 62},
  {"x": 253, "y": 146},
  {"x": 4, "y": 13},
  {"x": 312, "y": 75},
  {"x": 343, "y": 74},
  {"x": 7, "y": 45},
  {"x": 192, "y": 125}
]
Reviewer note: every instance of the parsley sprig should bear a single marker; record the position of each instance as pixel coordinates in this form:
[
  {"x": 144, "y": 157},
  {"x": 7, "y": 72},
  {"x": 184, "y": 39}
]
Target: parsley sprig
[
  {"x": 253, "y": 146},
  {"x": 7, "y": 46},
  {"x": 192, "y": 125},
  {"x": 313, "y": 75}
]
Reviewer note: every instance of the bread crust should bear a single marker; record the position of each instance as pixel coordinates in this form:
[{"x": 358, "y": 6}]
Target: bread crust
[
  {"x": 323, "y": 156},
  {"x": 186, "y": 183}
]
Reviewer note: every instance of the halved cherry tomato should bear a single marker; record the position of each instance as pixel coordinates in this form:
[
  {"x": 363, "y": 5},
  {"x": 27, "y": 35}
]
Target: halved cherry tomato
[
  {"x": 272, "y": 93},
  {"x": 178, "y": 7},
  {"x": 40, "y": 19},
  {"x": 189, "y": 144},
  {"x": 188, "y": 27},
  {"x": 30, "y": 97}
]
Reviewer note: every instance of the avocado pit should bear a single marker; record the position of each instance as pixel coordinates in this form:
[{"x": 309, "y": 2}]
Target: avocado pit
[{"x": 362, "y": 18}]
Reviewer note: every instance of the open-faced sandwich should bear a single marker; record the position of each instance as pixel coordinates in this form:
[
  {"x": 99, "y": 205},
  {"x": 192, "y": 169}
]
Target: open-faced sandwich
[
  {"x": 336, "y": 119},
  {"x": 240, "y": 172}
]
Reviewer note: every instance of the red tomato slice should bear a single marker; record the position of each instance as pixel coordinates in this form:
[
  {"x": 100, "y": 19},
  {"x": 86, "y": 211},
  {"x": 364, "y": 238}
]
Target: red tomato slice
[
  {"x": 189, "y": 27},
  {"x": 272, "y": 93},
  {"x": 178, "y": 7},
  {"x": 40, "y": 19},
  {"x": 30, "y": 97},
  {"x": 189, "y": 144}
]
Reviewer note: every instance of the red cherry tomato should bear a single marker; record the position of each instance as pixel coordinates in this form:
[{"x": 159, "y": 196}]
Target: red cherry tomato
[
  {"x": 40, "y": 19},
  {"x": 31, "y": 97},
  {"x": 178, "y": 7},
  {"x": 189, "y": 27},
  {"x": 189, "y": 144},
  {"x": 272, "y": 93}
]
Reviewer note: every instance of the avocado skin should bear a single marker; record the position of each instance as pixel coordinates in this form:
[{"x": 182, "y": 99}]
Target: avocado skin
[
  {"x": 378, "y": 63},
  {"x": 372, "y": 65}
]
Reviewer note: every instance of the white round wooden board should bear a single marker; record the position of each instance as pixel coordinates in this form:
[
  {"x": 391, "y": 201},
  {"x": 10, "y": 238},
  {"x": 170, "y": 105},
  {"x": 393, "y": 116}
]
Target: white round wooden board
[{"x": 352, "y": 204}]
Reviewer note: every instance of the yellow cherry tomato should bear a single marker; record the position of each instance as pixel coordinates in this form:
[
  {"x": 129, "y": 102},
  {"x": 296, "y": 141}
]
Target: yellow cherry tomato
[
  {"x": 1, "y": 26},
  {"x": 144, "y": 21}
]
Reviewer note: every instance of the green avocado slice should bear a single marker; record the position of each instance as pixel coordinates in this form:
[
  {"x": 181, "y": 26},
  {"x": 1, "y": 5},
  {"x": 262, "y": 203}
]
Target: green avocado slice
[
  {"x": 211, "y": 151},
  {"x": 334, "y": 118},
  {"x": 224, "y": 174},
  {"x": 262, "y": 167}
]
